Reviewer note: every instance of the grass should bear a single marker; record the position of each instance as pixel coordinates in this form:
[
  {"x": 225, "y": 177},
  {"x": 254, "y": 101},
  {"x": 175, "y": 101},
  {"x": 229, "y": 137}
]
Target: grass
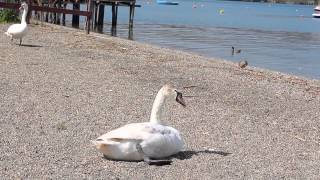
[{"x": 8, "y": 15}]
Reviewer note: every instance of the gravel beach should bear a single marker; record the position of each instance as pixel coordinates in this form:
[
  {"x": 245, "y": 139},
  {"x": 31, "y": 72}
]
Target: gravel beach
[{"x": 63, "y": 88}]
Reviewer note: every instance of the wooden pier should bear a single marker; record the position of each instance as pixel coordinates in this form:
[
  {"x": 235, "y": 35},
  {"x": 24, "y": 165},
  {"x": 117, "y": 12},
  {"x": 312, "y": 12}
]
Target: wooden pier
[
  {"x": 55, "y": 11},
  {"x": 99, "y": 12},
  {"x": 99, "y": 7}
]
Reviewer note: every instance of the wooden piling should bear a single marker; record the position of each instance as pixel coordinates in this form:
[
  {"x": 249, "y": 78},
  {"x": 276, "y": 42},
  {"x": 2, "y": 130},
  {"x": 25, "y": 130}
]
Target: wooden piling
[
  {"x": 63, "y": 14},
  {"x": 89, "y": 22},
  {"x": 114, "y": 14},
  {"x": 75, "y": 18},
  {"x": 58, "y": 15},
  {"x": 100, "y": 14},
  {"x": 131, "y": 15}
]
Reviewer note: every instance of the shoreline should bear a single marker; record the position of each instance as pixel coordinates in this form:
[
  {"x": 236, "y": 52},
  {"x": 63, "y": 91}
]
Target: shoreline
[{"x": 64, "y": 88}]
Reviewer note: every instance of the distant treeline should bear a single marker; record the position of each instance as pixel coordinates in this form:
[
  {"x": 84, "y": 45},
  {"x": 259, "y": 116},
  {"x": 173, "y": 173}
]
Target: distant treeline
[{"x": 309, "y": 2}]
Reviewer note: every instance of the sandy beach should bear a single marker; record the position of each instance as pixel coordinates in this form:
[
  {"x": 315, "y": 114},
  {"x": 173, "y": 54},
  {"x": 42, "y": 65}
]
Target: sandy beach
[{"x": 63, "y": 88}]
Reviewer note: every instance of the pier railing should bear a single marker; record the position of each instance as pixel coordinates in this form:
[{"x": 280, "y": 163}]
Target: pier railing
[
  {"x": 94, "y": 14},
  {"x": 47, "y": 9}
]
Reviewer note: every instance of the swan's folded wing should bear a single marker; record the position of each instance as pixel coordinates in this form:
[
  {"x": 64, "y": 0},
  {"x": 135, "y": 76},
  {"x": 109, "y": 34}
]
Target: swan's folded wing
[
  {"x": 15, "y": 28},
  {"x": 135, "y": 131}
]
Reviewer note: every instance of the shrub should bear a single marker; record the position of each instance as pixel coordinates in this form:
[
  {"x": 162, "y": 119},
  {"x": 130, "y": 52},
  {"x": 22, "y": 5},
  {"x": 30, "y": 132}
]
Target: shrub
[{"x": 8, "y": 15}]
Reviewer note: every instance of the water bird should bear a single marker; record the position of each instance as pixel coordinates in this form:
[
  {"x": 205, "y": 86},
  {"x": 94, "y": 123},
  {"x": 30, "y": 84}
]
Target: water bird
[
  {"x": 233, "y": 50},
  {"x": 148, "y": 141},
  {"x": 18, "y": 31},
  {"x": 221, "y": 11},
  {"x": 243, "y": 63}
]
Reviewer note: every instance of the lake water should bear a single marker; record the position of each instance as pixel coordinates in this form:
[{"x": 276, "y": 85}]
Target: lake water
[{"x": 280, "y": 37}]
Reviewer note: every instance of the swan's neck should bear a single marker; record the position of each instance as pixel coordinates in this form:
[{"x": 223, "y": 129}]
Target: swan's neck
[
  {"x": 24, "y": 16},
  {"x": 157, "y": 112}
]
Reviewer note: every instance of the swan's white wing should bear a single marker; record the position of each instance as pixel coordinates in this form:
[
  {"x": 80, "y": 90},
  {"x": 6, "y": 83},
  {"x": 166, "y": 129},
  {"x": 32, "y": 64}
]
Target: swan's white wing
[
  {"x": 15, "y": 28},
  {"x": 157, "y": 141},
  {"x": 166, "y": 142},
  {"x": 135, "y": 131}
]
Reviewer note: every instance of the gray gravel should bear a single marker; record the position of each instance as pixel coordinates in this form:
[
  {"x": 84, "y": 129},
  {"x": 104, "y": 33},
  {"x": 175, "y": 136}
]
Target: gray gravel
[{"x": 64, "y": 88}]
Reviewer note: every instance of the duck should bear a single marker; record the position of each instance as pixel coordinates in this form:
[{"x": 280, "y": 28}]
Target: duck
[
  {"x": 243, "y": 63},
  {"x": 233, "y": 50},
  {"x": 18, "y": 31},
  {"x": 152, "y": 142}
]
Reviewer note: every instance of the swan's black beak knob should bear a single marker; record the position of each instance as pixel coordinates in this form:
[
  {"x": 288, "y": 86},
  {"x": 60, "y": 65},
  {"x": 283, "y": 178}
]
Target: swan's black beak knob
[{"x": 180, "y": 99}]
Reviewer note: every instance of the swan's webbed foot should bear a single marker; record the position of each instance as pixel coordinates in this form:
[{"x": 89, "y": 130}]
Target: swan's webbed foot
[{"x": 158, "y": 162}]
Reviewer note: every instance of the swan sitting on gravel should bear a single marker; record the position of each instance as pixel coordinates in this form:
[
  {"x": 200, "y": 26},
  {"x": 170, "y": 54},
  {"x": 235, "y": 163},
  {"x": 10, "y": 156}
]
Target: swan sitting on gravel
[
  {"x": 149, "y": 141},
  {"x": 18, "y": 31}
]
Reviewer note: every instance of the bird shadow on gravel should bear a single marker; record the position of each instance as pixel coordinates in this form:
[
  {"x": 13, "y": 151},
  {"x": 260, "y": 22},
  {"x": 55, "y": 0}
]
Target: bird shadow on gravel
[{"x": 188, "y": 154}]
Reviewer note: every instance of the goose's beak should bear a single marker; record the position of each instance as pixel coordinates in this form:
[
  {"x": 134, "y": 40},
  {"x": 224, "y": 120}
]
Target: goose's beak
[{"x": 180, "y": 99}]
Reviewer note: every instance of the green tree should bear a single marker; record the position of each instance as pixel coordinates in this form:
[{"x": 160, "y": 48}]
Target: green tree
[{"x": 8, "y": 15}]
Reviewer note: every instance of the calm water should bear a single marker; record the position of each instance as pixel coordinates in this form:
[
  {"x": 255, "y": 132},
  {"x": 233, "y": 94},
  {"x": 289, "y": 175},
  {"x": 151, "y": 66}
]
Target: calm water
[{"x": 274, "y": 36}]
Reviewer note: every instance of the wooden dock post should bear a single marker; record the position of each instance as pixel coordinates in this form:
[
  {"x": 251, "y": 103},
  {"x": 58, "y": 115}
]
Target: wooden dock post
[
  {"x": 75, "y": 18},
  {"x": 29, "y": 12},
  {"x": 63, "y": 14},
  {"x": 100, "y": 14},
  {"x": 89, "y": 22},
  {"x": 130, "y": 34},
  {"x": 131, "y": 15},
  {"x": 114, "y": 14},
  {"x": 58, "y": 15}
]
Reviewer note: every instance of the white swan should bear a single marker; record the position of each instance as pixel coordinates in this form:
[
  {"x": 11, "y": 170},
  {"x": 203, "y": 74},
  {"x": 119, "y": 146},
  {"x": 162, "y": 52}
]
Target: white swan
[
  {"x": 145, "y": 141},
  {"x": 18, "y": 31}
]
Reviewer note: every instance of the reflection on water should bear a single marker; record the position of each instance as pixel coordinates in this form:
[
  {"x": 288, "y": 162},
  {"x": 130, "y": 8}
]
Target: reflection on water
[{"x": 275, "y": 36}]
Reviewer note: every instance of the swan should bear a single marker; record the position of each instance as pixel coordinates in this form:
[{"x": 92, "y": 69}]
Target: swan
[
  {"x": 18, "y": 31},
  {"x": 148, "y": 141}
]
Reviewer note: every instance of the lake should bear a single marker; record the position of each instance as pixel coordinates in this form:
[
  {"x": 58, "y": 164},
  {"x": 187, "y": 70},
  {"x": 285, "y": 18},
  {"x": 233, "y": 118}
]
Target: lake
[{"x": 280, "y": 37}]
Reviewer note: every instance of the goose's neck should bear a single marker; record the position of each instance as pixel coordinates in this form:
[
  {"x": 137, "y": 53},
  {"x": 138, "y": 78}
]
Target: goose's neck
[
  {"x": 157, "y": 112},
  {"x": 24, "y": 16}
]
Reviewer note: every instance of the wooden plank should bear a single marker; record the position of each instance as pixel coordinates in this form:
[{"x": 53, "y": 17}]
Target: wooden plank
[
  {"x": 9, "y": 5},
  {"x": 117, "y": 1},
  {"x": 60, "y": 10}
]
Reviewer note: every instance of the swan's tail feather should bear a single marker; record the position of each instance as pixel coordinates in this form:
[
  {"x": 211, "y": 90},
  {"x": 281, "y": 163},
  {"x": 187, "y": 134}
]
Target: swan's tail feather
[{"x": 104, "y": 148}]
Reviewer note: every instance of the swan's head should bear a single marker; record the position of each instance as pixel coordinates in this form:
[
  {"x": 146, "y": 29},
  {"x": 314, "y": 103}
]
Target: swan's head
[
  {"x": 24, "y": 6},
  {"x": 173, "y": 93}
]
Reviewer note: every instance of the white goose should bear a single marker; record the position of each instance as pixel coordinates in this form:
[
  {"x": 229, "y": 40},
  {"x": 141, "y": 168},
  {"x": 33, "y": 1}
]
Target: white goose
[
  {"x": 145, "y": 141},
  {"x": 18, "y": 31}
]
